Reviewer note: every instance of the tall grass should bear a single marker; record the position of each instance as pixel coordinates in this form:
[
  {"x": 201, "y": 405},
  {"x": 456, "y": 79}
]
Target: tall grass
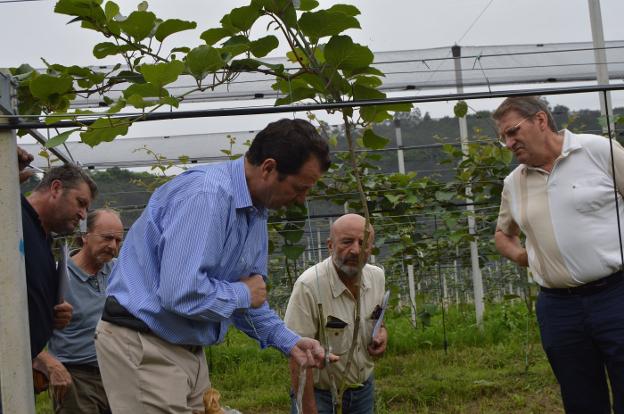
[{"x": 500, "y": 369}]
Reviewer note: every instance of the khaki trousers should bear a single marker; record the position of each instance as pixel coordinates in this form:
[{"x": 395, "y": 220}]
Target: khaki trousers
[{"x": 145, "y": 374}]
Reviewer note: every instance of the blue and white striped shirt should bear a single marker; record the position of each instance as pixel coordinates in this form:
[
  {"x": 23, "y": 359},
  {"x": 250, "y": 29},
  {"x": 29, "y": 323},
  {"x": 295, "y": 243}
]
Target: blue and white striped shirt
[{"x": 180, "y": 265}]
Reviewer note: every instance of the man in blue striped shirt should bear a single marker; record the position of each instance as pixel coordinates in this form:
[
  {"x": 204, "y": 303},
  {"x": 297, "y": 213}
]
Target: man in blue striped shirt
[{"x": 194, "y": 263}]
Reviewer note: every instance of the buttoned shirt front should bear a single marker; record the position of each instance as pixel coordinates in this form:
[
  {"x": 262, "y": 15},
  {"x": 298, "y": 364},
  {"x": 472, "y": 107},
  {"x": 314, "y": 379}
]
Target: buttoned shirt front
[
  {"x": 86, "y": 293},
  {"x": 321, "y": 284},
  {"x": 180, "y": 266},
  {"x": 568, "y": 215}
]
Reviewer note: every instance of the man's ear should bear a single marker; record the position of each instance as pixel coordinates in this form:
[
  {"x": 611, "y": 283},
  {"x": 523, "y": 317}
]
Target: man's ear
[
  {"x": 267, "y": 167},
  {"x": 330, "y": 244},
  {"x": 56, "y": 188}
]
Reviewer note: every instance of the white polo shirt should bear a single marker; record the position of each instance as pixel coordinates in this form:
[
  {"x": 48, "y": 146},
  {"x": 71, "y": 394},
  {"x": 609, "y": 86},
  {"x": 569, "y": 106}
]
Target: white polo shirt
[{"x": 568, "y": 215}]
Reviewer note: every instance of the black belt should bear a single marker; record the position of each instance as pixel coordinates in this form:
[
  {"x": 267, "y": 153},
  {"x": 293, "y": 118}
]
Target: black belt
[
  {"x": 92, "y": 369},
  {"x": 115, "y": 313},
  {"x": 588, "y": 288}
]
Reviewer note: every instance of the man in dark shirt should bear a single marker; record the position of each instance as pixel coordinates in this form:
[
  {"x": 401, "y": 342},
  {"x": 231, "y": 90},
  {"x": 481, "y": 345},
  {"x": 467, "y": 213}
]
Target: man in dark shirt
[{"x": 56, "y": 205}]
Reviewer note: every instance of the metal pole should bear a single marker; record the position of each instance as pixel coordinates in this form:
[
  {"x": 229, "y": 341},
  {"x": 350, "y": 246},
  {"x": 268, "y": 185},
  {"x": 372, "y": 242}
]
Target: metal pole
[
  {"x": 399, "y": 144},
  {"x": 15, "y": 362},
  {"x": 600, "y": 56},
  {"x": 477, "y": 278},
  {"x": 412, "y": 292}
]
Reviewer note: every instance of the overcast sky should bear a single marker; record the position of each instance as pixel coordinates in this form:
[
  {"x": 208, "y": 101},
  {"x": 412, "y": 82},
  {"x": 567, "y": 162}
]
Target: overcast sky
[{"x": 31, "y": 30}]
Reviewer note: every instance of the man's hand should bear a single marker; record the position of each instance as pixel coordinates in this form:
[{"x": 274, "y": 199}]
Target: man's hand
[
  {"x": 62, "y": 315},
  {"x": 23, "y": 159},
  {"x": 308, "y": 352},
  {"x": 378, "y": 346},
  {"x": 257, "y": 289},
  {"x": 60, "y": 378},
  {"x": 523, "y": 258}
]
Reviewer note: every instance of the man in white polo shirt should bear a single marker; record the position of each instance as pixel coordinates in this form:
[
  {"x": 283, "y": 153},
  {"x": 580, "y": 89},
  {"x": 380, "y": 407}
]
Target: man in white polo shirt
[{"x": 562, "y": 198}]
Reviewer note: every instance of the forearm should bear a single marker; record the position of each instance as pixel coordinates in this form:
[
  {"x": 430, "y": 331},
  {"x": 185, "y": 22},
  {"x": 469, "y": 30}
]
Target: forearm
[
  {"x": 510, "y": 247},
  {"x": 264, "y": 325},
  {"x": 308, "y": 403}
]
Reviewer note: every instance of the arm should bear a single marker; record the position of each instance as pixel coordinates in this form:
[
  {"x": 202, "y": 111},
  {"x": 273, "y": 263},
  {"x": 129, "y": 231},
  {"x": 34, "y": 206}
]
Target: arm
[
  {"x": 24, "y": 158},
  {"x": 380, "y": 341},
  {"x": 510, "y": 247},
  {"x": 60, "y": 379},
  {"x": 308, "y": 403},
  {"x": 62, "y": 315}
]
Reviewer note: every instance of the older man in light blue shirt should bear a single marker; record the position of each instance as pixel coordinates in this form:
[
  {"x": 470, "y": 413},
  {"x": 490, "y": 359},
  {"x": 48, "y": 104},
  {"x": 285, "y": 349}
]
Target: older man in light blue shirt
[{"x": 194, "y": 263}]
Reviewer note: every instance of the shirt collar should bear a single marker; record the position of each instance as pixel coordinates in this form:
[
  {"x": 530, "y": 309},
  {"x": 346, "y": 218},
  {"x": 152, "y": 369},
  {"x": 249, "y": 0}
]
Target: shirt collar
[
  {"x": 571, "y": 143},
  {"x": 84, "y": 276},
  {"x": 242, "y": 196}
]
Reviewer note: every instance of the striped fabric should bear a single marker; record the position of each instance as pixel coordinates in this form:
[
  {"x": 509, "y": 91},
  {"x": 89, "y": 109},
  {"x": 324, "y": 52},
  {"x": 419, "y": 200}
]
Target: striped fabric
[
  {"x": 568, "y": 215},
  {"x": 179, "y": 266}
]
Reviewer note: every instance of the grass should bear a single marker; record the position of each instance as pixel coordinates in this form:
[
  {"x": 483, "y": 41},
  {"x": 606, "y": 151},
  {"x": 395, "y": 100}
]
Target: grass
[{"x": 501, "y": 369}]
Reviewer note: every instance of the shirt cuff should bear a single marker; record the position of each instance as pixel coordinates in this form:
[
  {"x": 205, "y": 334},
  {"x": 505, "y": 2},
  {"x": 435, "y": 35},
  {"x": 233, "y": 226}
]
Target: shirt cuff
[
  {"x": 284, "y": 339},
  {"x": 243, "y": 296}
]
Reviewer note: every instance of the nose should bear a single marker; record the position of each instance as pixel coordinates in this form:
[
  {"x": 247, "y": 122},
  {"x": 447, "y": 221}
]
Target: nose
[{"x": 82, "y": 213}]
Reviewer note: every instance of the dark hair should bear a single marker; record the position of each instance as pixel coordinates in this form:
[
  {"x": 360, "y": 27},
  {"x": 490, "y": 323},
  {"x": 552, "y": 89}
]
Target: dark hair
[
  {"x": 70, "y": 175},
  {"x": 291, "y": 143},
  {"x": 526, "y": 106}
]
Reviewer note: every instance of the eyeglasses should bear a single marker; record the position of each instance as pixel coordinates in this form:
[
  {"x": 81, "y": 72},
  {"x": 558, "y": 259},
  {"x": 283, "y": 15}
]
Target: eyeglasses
[{"x": 511, "y": 131}]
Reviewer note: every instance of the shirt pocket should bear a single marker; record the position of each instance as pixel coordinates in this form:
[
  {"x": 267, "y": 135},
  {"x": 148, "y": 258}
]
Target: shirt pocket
[
  {"x": 339, "y": 335},
  {"x": 591, "y": 194}
]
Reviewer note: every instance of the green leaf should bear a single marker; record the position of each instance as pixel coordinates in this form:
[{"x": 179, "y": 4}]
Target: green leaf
[
  {"x": 203, "y": 60},
  {"x": 262, "y": 47},
  {"x": 362, "y": 92},
  {"x": 296, "y": 95},
  {"x": 236, "y": 45},
  {"x": 293, "y": 252},
  {"x": 347, "y": 9},
  {"x": 104, "y": 130},
  {"x": 138, "y": 25},
  {"x": 394, "y": 199},
  {"x": 171, "y": 26},
  {"x": 46, "y": 86},
  {"x": 374, "y": 113},
  {"x": 60, "y": 138},
  {"x": 245, "y": 65},
  {"x": 307, "y": 5},
  {"x": 145, "y": 90},
  {"x": 89, "y": 9},
  {"x": 342, "y": 53},
  {"x": 111, "y": 10},
  {"x": 212, "y": 36},
  {"x": 291, "y": 234},
  {"x": 324, "y": 23},
  {"x": 169, "y": 100},
  {"x": 460, "y": 109},
  {"x": 374, "y": 141},
  {"x": 162, "y": 73},
  {"x": 444, "y": 195},
  {"x": 244, "y": 17},
  {"x": 182, "y": 49},
  {"x": 101, "y": 50},
  {"x": 142, "y": 6}
]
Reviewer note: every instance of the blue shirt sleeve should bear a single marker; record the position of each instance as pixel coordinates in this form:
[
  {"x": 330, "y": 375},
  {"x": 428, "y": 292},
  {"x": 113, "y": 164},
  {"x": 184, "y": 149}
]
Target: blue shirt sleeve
[
  {"x": 191, "y": 245},
  {"x": 264, "y": 325}
]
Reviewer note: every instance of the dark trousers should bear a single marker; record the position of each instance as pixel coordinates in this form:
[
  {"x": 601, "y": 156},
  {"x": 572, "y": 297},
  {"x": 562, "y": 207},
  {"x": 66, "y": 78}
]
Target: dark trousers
[
  {"x": 359, "y": 400},
  {"x": 583, "y": 336}
]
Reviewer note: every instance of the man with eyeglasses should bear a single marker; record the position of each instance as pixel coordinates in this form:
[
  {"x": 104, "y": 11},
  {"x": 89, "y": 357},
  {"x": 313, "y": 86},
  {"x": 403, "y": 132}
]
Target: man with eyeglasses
[
  {"x": 562, "y": 198},
  {"x": 75, "y": 379}
]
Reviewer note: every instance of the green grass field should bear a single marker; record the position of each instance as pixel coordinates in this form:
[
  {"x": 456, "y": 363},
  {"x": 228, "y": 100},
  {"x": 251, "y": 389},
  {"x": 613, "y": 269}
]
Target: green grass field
[{"x": 501, "y": 369}]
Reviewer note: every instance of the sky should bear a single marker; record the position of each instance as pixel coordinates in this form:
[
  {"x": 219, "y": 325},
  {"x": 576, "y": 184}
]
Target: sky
[{"x": 31, "y": 30}]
